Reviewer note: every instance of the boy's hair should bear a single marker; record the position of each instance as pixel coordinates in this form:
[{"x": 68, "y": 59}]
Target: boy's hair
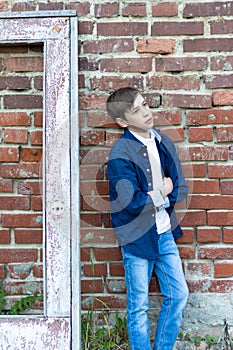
[{"x": 120, "y": 101}]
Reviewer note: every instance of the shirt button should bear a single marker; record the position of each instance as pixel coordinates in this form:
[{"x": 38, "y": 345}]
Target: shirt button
[
  {"x": 144, "y": 154},
  {"x": 149, "y": 184},
  {"x": 153, "y": 215},
  {"x": 148, "y": 169}
]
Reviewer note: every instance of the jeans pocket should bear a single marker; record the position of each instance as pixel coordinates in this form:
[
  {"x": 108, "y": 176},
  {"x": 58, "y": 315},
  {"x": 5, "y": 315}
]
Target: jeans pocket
[{"x": 167, "y": 244}]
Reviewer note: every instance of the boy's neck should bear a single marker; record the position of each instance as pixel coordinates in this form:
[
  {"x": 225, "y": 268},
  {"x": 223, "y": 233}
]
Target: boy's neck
[{"x": 140, "y": 132}]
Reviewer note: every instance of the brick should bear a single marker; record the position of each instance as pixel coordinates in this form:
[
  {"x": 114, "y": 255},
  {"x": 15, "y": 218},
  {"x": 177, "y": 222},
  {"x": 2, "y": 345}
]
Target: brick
[
  {"x": 85, "y": 27},
  {"x": 116, "y": 269},
  {"x": 209, "y": 116},
  {"x": 111, "y": 138},
  {"x": 28, "y": 236},
  {"x": 206, "y": 9},
  {"x": 166, "y": 117},
  {"x": 107, "y": 254},
  {"x": 208, "y": 235},
  {"x": 222, "y": 270},
  {"x": 36, "y": 203},
  {"x": 14, "y": 119},
  {"x": 14, "y": 83},
  {"x": 113, "y": 302},
  {"x": 15, "y": 136},
  {"x": 108, "y": 45},
  {"x": 18, "y": 255},
  {"x": 226, "y": 187},
  {"x": 204, "y": 186},
  {"x": 2, "y": 267},
  {"x": 164, "y": 9},
  {"x": 5, "y": 236},
  {"x": 109, "y": 9},
  {"x": 94, "y": 188},
  {"x": 224, "y": 134},
  {"x": 187, "y": 252},
  {"x": 200, "y": 134},
  {"x": 85, "y": 253},
  {"x": 134, "y": 9},
  {"x": 198, "y": 269},
  {"x": 24, "y": 64},
  {"x": 89, "y": 64},
  {"x": 92, "y": 137},
  {"x": 227, "y": 235},
  {"x": 203, "y": 153},
  {"x": 223, "y": 98},
  {"x": 199, "y": 286},
  {"x": 19, "y": 271},
  {"x": 38, "y": 119},
  {"x": 152, "y": 45},
  {"x": 217, "y": 81},
  {"x": 51, "y": 6},
  {"x": 128, "y": 65},
  {"x": 188, "y": 236},
  {"x": 6, "y": 186},
  {"x": 36, "y": 137},
  {"x": 195, "y": 170},
  {"x": 172, "y": 82},
  {"x": 30, "y": 187},
  {"x": 114, "y": 82},
  {"x": 90, "y": 172},
  {"x": 115, "y": 285},
  {"x": 177, "y": 28},
  {"x": 208, "y": 45},
  {"x": 176, "y": 134},
  {"x": 94, "y": 270},
  {"x": 211, "y": 202},
  {"x": 221, "y": 286},
  {"x": 221, "y": 63},
  {"x": 187, "y": 100},
  {"x": 38, "y": 83},
  {"x": 21, "y": 288},
  {"x": 21, "y": 220},
  {"x": 153, "y": 99},
  {"x": 37, "y": 270},
  {"x": 26, "y": 170},
  {"x": 22, "y": 101},
  {"x": 82, "y": 9},
  {"x": 14, "y": 203},
  {"x": 3, "y": 6},
  {"x": 106, "y": 219},
  {"x": 9, "y": 154},
  {"x": 24, "y": 6},
  {"x": 122, "y": 29},
  {"x": 93, "y": 219},
  {"x": 179, "y": 64},
  {"x": 92, "y": 286},
  {"x": 216, "y": 218},
  {"x": 32, "y": 154},
  {"x": 215, "y": 253},
  {"x": 97, "y": 235},
  {"x": 92, "y": 101},
  {"x": 220, "y": 171},
  {"x": 193, "y": 218}
]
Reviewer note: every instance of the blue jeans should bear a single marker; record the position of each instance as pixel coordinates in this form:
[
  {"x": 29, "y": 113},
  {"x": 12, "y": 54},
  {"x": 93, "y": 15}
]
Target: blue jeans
[{"x": 168, "y": 269}]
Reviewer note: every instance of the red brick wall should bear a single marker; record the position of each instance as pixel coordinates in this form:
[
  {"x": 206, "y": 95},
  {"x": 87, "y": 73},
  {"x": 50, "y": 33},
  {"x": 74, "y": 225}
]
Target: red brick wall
[
  {"x": 180, "y": 55},
  {"x": 21, "y": 170}
]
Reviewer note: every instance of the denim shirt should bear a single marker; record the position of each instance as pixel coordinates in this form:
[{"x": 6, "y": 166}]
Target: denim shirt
[{"x": 130, "y": 180}]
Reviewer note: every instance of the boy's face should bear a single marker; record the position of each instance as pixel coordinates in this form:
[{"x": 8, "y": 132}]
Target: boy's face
[{"x": 139, "y": 117}]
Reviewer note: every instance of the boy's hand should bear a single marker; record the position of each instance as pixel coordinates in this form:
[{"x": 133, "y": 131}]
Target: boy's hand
[{"x": 167, "y": 186}]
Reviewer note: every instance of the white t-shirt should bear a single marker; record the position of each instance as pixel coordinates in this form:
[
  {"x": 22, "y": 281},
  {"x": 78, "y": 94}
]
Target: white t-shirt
[{"x": 162, "y": 218}]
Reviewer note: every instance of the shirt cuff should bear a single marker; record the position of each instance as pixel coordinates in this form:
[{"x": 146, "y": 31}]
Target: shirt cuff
[{"x": 157, "y": 198}]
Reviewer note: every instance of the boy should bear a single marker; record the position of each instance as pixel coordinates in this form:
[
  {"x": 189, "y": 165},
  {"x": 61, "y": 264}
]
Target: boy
[{"x": 146, "y": 181}]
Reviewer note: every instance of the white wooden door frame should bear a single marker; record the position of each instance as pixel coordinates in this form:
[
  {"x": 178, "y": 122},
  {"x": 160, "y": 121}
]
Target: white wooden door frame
[{"x": 59, "y": 327}]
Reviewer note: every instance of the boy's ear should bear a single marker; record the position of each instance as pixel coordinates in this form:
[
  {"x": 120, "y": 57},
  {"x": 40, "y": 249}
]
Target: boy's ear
[{"x": 121, "y": 122}]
